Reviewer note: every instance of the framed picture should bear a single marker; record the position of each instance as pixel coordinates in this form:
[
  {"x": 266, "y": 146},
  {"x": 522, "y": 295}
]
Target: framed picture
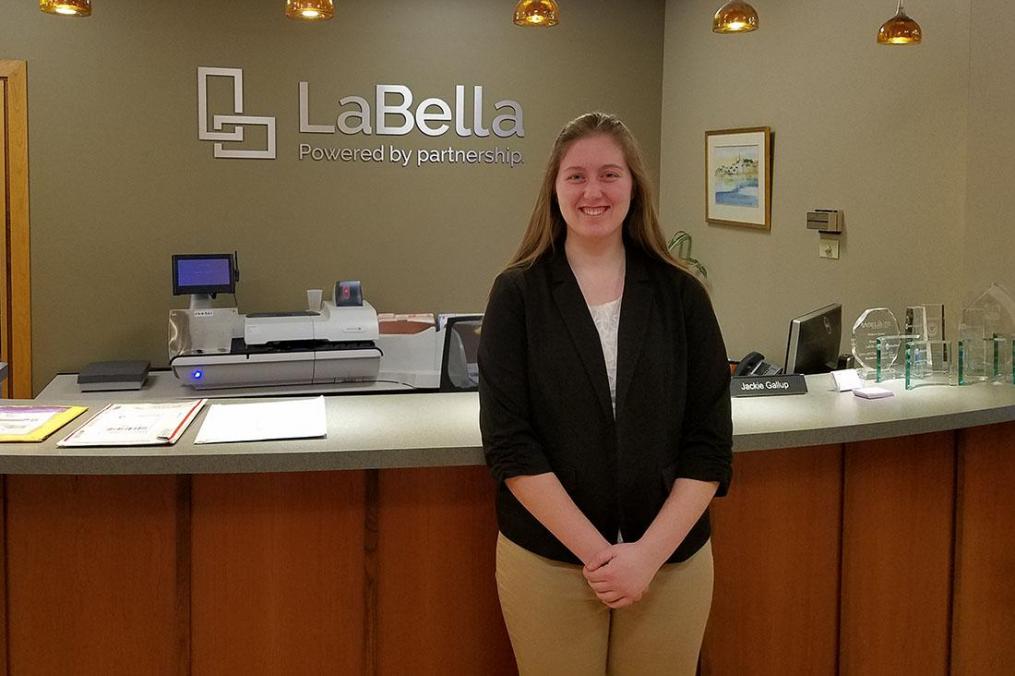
[{"x": 738, "y": 177}]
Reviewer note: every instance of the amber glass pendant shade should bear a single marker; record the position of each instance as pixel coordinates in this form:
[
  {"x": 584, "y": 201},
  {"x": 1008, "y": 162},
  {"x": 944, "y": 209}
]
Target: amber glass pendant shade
[
  {"x": 67, "y": 7},
  {"x": 899, "y": 30},
  {"x": 735, "y": 17},
  {"x": 537, "y": 13},
  {"x": 310, "y": 10}
]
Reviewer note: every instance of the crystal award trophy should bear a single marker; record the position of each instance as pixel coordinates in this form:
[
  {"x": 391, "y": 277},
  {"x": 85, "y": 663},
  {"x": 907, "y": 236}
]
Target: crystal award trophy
[
  {"x": 934, "y": 322},
  {"x": 972, "y": 346},
  {"x": 985, "y": 335},
  {"x": 868, "y": 349},
  {"x": 916, "y": 320},
  {"x": 928, "y": 322},
  {"x": 928, "y": 362},
  {"x": 887, "y": 350},
  {"x": 999, "y": 359}
]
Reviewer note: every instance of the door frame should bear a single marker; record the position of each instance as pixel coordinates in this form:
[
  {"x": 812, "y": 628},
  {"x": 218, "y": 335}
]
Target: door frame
[{"x": 16, "y": 292}]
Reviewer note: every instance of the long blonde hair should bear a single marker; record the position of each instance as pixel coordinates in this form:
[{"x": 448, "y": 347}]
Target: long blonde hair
[{"x": 546, "y": 225}]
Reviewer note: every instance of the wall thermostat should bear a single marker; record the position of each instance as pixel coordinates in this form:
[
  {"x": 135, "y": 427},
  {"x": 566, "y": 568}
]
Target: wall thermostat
[{"x": 825, "y": 220}]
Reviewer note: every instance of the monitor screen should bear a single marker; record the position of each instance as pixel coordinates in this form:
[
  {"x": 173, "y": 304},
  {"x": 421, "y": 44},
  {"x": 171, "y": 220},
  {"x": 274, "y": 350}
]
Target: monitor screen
[
  {"x": 203, "y": 273},
  {"x": 813, "y": 345},
  {"x": 460, "y": 369}
]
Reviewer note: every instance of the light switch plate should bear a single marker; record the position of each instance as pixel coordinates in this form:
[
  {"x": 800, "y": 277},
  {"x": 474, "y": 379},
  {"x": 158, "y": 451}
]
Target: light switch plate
[{"x": 828, "y": 248}]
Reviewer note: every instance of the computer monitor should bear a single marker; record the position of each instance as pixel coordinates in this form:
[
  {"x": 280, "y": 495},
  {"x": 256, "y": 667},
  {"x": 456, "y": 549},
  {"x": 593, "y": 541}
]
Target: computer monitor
[
  {"x": 203, "y": 274},
  {"x": 813, "y": 344},
  {"x": 459, "y": 367}
]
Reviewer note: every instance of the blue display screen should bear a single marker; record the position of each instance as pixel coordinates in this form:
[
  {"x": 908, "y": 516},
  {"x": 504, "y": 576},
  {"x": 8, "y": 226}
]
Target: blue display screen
[{"x": 203, "y": 272}]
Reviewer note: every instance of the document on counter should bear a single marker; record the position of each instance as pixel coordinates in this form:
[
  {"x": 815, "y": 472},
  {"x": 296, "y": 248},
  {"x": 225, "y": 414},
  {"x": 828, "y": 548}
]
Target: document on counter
[
  {"x": 260, "y": 421},
  {"x": 34, "y": 423},
  {"x": 156, "y": 424}
]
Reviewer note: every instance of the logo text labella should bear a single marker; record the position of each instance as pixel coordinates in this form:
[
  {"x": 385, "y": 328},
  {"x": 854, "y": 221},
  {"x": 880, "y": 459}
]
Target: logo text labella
[{"x": 432, "y": 116}]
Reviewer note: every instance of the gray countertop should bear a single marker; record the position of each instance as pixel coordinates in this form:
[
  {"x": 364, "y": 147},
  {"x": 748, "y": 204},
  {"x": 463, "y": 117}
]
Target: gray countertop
[{"x": 442, "y": 429}]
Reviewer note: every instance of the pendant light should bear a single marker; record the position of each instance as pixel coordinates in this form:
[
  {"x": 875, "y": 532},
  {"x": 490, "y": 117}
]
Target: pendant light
[
  {"x": 899, "y": 30},
  {"x": 735, "y": 17},
  {"x": 67, "y": 7},
  {"x": 310, "y": 10},
  {"x": 537, "y": 13}
]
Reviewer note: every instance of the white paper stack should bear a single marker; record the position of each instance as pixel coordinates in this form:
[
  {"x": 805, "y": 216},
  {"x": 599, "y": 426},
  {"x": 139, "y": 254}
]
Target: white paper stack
[{"x": 258, "y": 421}]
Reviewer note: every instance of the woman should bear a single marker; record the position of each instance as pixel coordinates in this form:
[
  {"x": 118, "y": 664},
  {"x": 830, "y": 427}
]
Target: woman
[{"x": 605, "y": 412}]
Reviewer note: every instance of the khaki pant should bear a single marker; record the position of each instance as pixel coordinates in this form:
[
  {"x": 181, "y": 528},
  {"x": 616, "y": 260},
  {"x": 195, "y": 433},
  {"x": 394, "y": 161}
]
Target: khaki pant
[{"x": 558, "y": 626}]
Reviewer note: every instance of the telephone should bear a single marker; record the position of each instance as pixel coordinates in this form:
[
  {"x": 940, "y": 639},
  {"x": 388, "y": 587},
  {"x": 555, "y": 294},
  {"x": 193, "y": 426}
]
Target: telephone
[{"x": 754, "y": 364}]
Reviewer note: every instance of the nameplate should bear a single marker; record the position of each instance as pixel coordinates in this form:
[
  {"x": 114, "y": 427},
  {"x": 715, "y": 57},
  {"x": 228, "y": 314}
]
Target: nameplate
[{"x": 767, "y": 386}]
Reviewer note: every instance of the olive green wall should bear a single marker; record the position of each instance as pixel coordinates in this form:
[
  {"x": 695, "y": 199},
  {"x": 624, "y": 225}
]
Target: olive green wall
[
  {"x": 120, "y": 181},
  {"x": 989, "y": 246},
  {"x": 913, "y": 143},
  {"x": 877, "y": 131}
]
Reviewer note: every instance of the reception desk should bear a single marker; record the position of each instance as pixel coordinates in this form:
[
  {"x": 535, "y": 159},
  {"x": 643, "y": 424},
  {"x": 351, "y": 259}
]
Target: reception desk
[{"x": 859, "y": 537}]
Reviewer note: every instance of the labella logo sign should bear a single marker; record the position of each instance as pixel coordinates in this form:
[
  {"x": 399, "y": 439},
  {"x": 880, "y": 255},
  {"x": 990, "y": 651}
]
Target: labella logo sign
[
  {"x": 237, "y": 120},
  {"x": 430, "y": 116},
  {"x": 389, "y": 112}
]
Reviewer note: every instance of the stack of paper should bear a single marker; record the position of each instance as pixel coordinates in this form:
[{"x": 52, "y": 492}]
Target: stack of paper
[
  {"x": 158, "y": 424},
  {"x": 290, "y": 419},
  {"x": 34, "y": 423}
]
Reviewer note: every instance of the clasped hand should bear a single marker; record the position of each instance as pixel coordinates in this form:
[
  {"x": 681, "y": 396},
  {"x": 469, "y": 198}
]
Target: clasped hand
[{"x": 621, "y": 573}]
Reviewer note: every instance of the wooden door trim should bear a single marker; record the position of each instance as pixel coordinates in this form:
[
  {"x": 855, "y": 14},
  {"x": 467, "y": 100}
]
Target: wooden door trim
[{"x": 19, "y": 312}]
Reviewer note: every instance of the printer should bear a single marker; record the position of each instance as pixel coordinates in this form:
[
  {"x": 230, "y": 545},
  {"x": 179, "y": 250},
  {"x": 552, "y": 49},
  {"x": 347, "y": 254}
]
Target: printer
[
  {"x": 332, "y": 324},
  {"x": 341, "y": 342}
]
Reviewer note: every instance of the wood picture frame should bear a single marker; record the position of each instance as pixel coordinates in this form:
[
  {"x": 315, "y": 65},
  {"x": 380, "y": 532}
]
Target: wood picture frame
[{"x": 738, "y": 177}]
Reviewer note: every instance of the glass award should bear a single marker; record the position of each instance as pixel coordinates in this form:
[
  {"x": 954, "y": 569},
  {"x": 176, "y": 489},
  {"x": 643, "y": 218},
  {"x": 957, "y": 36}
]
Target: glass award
[
  {"x": 963, "y": 363},
  {"x": 928, "y": 322},
  {"x": 887, "y": 354},
  {"x": 872, "y": 324},
  {"x": 986, "y": 360},
  {"x": 986, "y": 329},
  {"x": 935, "y": 322},
  {"x": 972, "y": 346},
  {"x": 916, "y": 320},
  {"x": 999, "y": 364},
  {"x": 928, "y": 362}
]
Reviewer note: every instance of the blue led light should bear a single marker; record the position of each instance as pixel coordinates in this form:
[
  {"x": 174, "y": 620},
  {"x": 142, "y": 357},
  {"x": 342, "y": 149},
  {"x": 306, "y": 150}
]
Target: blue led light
[{"x": 197, "y": 375}]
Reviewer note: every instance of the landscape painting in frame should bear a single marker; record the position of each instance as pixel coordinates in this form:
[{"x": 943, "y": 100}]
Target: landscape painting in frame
[{"x": 738, "y": 185}]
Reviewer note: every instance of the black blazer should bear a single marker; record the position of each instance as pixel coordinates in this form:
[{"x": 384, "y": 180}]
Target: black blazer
[{"x": 545, "y": 400}]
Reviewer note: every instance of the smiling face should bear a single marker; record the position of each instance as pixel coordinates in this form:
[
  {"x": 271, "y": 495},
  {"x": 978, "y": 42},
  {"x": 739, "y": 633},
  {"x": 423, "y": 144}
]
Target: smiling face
[{"x": 594, "y": 188}]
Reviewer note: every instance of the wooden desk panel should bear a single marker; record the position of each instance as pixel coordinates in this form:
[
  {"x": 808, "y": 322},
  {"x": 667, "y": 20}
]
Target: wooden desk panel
[
  {"x": 3, "y": 576},
  {"x": 897, "y": 555},
  {"x": 391, "y": 571},
  {"x": 438, "y": 611},
  {"x": 983, "y": 640},
  {"x": 776, "y": 543},
  {"x": 91, "y": 575},
  {"x": 278, "y": 573}
]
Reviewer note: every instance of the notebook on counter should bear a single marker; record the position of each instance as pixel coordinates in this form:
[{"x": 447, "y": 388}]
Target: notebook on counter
[{"x": 102, "y": 376}]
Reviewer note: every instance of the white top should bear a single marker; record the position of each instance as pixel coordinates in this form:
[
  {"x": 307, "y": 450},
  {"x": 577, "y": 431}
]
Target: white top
[{"x": 607, "y": 320}]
